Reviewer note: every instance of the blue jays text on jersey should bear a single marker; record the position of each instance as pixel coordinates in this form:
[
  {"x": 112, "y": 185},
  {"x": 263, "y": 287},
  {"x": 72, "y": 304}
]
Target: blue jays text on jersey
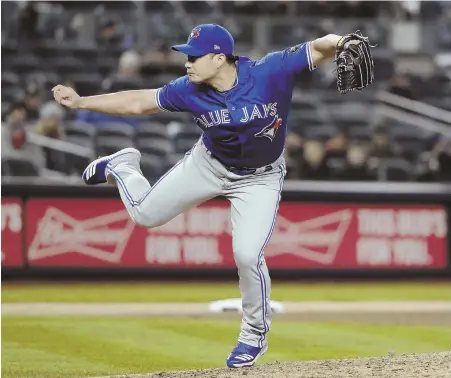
[{"x": 246, "y": 125}]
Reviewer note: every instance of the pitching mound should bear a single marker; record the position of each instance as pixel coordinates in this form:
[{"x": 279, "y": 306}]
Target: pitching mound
[{"x": 431, "y": 365}]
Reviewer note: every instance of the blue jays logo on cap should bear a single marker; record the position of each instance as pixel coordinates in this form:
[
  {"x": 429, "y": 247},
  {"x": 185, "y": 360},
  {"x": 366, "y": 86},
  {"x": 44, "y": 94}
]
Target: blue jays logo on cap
[
  {"x": 194, "y": 34},
  {"x": 213, "y": 39}
]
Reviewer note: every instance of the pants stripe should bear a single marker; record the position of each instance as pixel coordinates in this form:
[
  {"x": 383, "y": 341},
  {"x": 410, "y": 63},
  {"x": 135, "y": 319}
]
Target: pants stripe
[
  {"x": 259, "y": 261},
  {"x": 128, "y": 195}
]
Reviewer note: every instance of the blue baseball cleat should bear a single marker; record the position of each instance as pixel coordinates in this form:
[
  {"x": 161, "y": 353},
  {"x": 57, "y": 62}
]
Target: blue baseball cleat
[
  {"x": 96, "y": 172},
  {"x": 245, "y": 355}
]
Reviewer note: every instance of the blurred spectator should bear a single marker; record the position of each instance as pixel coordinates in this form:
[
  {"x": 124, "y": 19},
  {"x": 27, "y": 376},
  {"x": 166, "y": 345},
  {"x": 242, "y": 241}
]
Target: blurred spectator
[
  {"x": 14, "y": 137},
  {"x": 50, "y": 125},
  {"x": 430, "y": 10},
  {"x": 443, "y": 153},
  {"x": 292, "y": 154},
  {"x": 314, "y": 8},
  {"x": 356, "y": 169},
  {"x": 335, "y": 154},
  {"x": 51, "y": 117},
  {"x": 401, "y": 85},
  {"x": 17, "y": 115},
  {"x": 356, "y": 9},
  {"x": 313, "y": 163},
  {"x": 33, "y": 100},
  {"x": 444, "y": 29},
  {"x": 128, "y": 75},
  {"x": 435, "y": 164},
  {"x": 337, "y": 145},
  {"x": 69, "y": 83},
  {"x": 157, "y": 55},
  {"x": 246, "y": 7},
  {"x": 28, "y": 22},
  {"x": 380, "y": 146},
  {"x": 109, "y": 35},
  {"x": 129, "y": 66}
]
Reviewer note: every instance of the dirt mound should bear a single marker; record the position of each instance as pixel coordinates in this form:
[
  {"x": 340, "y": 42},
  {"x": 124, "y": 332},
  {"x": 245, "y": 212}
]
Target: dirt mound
[{"x": 431, "y": 365}]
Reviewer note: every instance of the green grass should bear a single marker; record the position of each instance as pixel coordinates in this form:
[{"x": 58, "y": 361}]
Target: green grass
[
  {"x": 54, "y": 347},
  {"x": 202, "y": 292}
]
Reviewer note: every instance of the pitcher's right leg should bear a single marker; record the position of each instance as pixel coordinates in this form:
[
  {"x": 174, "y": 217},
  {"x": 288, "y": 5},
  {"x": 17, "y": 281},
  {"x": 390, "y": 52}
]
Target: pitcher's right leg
[{"x": 190, "y": 182}]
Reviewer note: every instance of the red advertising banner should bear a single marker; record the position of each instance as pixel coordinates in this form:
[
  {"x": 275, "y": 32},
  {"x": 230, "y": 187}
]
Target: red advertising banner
[
  {"x": 94, "y": 233},
  {"x": 12, "y": 232}
]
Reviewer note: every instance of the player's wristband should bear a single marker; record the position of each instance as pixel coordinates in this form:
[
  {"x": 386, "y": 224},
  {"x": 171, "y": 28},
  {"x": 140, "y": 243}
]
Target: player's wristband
[{"x": 340, "y": 41}]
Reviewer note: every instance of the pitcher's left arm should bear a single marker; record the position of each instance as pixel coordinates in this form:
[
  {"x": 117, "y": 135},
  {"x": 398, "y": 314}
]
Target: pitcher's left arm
[{"x": 324, "y": 48}]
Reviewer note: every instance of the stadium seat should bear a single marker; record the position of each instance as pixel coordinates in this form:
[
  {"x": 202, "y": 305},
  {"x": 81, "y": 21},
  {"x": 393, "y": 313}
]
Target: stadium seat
[
  {"x": 67, "y": 65},
  {"x": 111, "y": 145},
  {"x": 172, "y": 159},
  {"x": 436, "y": 85},
  {"x": 304, "y": 106},
  {"x": 105, "y": 65},
  {"x": 113, "y": 129},
  {"x": 152, "y": 167},
  {"x": 395, "y": 169},
  {"x": 5, "y": 109},
  {"x": 439, "y": 102},
  {"x": 157, "y": 81},
  {"x": 412, "y": 149},
  {"x": 166, "y": 117},
  {"x": 80, "y": 133},
  {"x": 24, "y": 63},
  {"x": 15, "y": 166},
  {"x": 322, "y": 133},
  {"x": 79, "y": 128},
  {"x": 48, "y": 78},
  {"x": 9, "y": 78},
  {"x": 352, "y": 111},
  {"x": 47, "y": 50},
  {"x": 185, "y": 140},
  {"x": 86, "y": 83},
  {"x": 401, "y": 133},
  {"x": 11, "y": 94},
  {"x": 305, "y": 119},
  {"x": 359, "y": 134},
  {"x": 77, "y": 164},
  {"x": 154, "y": 130},
  {"x": 9, "y": 49},
  {"x": 282, "y": 35},
  {"x": 385, "y": 68},
  {"x": 117, "y": 84},
  {"x": 155, "y": 147}
]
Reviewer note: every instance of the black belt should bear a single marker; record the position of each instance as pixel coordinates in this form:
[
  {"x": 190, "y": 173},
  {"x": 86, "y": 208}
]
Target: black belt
[
  {"x": 247, "y": 171},
  {"x": 241, "y": 171}
]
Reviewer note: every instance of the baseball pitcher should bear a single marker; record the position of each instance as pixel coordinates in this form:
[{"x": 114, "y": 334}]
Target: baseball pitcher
[{"x": 242, "y": 106}]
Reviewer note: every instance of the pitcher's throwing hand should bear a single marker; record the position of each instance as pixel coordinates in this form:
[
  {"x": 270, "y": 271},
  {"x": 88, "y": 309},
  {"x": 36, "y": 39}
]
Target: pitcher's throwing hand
[{"x": 66, "y": 96}]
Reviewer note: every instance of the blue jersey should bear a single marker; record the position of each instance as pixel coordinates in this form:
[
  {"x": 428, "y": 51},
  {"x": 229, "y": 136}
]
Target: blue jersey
[{"x": 245, "y": 126}]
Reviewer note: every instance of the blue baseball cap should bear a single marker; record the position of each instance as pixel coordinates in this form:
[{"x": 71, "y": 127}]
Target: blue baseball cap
[{"x": 207, "y": 38}]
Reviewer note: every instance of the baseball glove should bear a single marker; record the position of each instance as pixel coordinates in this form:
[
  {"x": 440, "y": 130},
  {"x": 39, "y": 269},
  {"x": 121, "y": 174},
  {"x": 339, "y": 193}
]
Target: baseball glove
[{"x": 355, "y": 66}]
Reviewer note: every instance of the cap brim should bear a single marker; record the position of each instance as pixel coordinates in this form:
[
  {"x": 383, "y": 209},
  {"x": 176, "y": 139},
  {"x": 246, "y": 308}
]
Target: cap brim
[{"x": 188, "y": 50}]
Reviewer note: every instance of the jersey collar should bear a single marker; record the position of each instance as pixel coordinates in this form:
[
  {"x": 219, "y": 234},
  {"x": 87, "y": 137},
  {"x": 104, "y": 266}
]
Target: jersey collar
[{"x": 242, "y": 74}]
